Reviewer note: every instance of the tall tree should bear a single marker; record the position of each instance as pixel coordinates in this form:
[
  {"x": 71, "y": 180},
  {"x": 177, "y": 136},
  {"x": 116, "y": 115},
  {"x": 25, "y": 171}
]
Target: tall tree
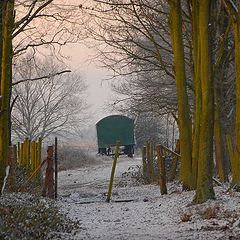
[
  {"x": 204, "y": 190},
  {"x": 184, "y": 122},
  {"x": 236, "y": 171},
  {"x": 6, "y": 80},
  {"x": 28, "y": 33}
]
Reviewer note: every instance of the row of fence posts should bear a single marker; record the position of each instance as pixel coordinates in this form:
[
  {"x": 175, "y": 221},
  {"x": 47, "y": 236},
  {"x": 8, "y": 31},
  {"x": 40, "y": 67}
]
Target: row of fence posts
[
  {"x": 155, "y": 171},
  {"x": 28, "y": 155}
]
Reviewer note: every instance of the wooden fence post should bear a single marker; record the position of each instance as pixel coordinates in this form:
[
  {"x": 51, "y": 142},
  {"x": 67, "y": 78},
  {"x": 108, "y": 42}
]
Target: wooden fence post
[
  {"x": 25, "y": 153},
  {"x": 39, "y": 158},
  {"x": 12, "y": 162},
  {"x": 21, "y": 160},
  {"x": 162, "y": 172},
  {"x": 33, "y": 156},
  {"x": 56, "y": 167},
  {"x": 148, "y": 178},
  {"x": 175, "y": 161},
  {"x": 144, "y": 163},
  {"x": 28, "y": 153},
  {"x": 18, "y": 152},
  {"x": 113, "y": 171},
  {"x": 48, "y": 190},
  {"x": 151, "y": 158},
  {"x": 150, "y": 167}
]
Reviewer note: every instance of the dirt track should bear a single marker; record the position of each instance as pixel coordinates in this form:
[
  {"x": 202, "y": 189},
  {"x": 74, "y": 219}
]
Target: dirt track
[{"x": 147, "y": 216}]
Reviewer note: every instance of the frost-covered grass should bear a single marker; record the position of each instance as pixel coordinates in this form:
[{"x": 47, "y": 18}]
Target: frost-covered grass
[
  {"x": 149, "y": 215},
  {"x": 24, "y": 216},
  {"x": 74, "y": 157}
]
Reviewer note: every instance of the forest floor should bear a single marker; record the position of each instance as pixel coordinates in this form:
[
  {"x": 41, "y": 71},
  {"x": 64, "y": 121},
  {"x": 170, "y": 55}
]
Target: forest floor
[{"x": 145, "y": 214}]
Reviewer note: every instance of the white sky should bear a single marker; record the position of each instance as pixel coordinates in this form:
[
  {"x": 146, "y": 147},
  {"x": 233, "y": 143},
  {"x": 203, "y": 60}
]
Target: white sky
[{"x": 99, "y": 91}]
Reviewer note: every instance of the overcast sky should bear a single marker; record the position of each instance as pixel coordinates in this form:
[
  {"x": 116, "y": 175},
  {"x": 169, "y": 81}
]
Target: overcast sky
[{"x": 99, "y": 91}]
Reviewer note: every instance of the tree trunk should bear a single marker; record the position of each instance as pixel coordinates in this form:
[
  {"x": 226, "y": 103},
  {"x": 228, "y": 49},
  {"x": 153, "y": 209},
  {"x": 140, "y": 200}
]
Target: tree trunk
[
  {"x": 204, "y": 190},
  {"x": 236, "y": 172},
  {"x": 161, "y": 170},
  {"x": 6, "y": 78},
  {"x": 222, "y": 62},
  {"x": 183, "y": 107},
  {"x": 197, "y": 89},
  {"x": 219, "y": 146}
]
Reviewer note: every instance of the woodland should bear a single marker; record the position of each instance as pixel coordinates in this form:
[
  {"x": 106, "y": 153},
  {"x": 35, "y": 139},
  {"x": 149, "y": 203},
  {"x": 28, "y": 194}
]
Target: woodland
[
  {"x": 179, "y": 58},
  {"x": 175, "y": 57}
]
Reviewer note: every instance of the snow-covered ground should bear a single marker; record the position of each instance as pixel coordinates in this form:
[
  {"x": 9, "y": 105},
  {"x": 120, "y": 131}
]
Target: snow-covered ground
[{"x": 147, "y": 214}]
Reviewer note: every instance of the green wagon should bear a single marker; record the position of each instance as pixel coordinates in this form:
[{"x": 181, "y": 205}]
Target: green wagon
[{"x": 112, "y": 129}]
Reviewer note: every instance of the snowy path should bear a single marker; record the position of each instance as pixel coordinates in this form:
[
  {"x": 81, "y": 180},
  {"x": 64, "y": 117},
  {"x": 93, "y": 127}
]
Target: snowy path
[{"x": 149, "y": 216}]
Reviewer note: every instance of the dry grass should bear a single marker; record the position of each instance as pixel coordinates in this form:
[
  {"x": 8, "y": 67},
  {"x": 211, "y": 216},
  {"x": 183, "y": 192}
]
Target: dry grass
[
  {"x": 74, "y": 157},
  {"x": 186, "y": 217},
  {"x": 210, "y": 212}
]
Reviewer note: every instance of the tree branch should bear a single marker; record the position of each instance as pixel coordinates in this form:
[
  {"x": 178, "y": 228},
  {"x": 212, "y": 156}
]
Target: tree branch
[{"x": 43, "y": 77}]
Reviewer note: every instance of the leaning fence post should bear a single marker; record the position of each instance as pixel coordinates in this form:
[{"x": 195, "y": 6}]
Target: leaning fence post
[
  {"x": 162, "y": 172},
  {"x": 113, "y": 171}
]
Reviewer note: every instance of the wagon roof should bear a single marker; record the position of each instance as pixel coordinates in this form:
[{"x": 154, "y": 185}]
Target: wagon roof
[{"x": 115, "y": 128}]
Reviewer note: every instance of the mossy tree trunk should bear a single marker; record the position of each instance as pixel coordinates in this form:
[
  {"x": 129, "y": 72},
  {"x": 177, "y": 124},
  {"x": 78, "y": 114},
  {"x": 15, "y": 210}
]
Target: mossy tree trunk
[
  {"x": 197, "y": 89},
  {"x": 184, "y": 123},
  {"x": 220, "y": 151},
  {"x": 204, "y": 190},
  {"x": 236, "y": 164},
  {"x": 6, "y": 79},
  {"x": 222, "y": 62},
  {"x": 2, "y": 164}
]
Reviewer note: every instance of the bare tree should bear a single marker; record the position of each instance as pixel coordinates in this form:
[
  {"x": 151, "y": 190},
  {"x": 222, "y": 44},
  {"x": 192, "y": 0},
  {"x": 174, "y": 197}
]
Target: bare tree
[
  {"x": 134, "y": 43},
  {"x": 53, "y": 105},
  {"x": 156, "y": 129},
  {"x": 37, "y": 25},
  {"x": 45, "y": 26}
]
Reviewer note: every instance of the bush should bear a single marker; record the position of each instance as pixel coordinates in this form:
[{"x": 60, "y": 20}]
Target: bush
[{"x": 23, "y": 216}]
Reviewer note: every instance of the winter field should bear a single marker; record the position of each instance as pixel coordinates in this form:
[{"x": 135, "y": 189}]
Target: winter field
[{"x": 138, "y": 211}]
